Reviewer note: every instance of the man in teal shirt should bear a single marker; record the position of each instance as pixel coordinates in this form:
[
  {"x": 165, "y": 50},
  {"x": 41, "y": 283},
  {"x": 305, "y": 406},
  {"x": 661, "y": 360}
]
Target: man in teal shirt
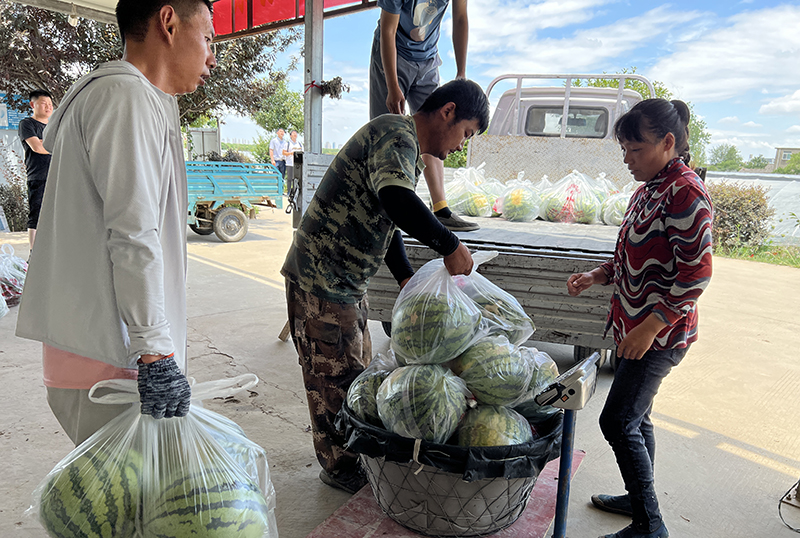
[{"x": 351, "y": 226}]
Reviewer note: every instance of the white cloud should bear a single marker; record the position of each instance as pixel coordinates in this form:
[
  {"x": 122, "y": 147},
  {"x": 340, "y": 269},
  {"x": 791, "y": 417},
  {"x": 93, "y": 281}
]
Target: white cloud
[
  {"x": 728, "y": 119},
  {"x": 736, "y": 56},
  {"x": 793, "y": 129},
  {"x": 751, "y": 124},
  {"x": 510, "y": 44},
  {"x": 788, "y": 104},
  {"x": 342, "y": 118}
]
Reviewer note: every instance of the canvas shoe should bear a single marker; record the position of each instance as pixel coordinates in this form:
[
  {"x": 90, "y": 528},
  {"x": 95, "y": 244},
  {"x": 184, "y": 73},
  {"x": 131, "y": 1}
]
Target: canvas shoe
[
  {"x": 616, "y": 504},
  {"x": 351, "y": 485},
  {"x": 454, "y": 223}
]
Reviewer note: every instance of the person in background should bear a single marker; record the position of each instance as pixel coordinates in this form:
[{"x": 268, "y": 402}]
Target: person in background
[
  {"x": 404, "y": 67},
  {"x": 106, "y": 290},
  {"x": 661, "y": 265},
  {"x": 37, "y": 159},
  {"x": 293, "y": 145},
  {"x": 277, "y": 147},
  {"x": 351, "y": 226}
]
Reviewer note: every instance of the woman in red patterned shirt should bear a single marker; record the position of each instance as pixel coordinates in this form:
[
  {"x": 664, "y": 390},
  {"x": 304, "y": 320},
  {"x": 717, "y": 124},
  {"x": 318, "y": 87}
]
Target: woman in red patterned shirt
[{"x": 661, "y": 265}]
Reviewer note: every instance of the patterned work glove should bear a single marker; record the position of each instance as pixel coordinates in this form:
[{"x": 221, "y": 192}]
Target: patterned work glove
[{"x": 163, "y": 390}]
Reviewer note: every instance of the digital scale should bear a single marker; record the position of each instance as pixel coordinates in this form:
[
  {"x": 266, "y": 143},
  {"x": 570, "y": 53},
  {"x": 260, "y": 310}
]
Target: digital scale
[{"x": 570, "y": 391}]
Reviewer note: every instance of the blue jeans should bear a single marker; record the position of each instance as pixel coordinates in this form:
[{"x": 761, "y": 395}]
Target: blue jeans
[
  {"x": 625, "y": 423},
  {"x": 281, "y": 165}
]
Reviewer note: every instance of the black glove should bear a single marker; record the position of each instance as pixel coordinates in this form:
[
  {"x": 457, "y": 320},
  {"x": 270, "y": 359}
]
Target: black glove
[{"x": 163, "y": 390}]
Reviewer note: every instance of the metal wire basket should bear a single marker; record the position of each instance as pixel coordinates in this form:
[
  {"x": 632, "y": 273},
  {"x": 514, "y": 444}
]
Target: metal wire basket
[
  {"x": 447, "y": 490},
  {"x": 437, "y": 503}
]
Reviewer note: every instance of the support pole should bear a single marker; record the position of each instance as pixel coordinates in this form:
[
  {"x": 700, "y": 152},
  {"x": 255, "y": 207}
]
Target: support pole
[
  {"x": 564, "y": 474},
  {"x": 312, "y": 104}
]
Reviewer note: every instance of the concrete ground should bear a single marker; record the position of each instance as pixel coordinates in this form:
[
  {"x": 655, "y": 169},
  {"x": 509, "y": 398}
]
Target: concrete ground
[{"x": 728, "y": 418}]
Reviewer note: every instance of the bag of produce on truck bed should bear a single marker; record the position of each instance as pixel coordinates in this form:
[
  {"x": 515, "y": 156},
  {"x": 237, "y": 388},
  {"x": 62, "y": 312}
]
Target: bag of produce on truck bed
[
  {"x": 465, "y": 195},
  {"x": 493, "y": 425},
  {"x": 545, "y": 372},
  {"x": 494, "y": 371},
  {"x": 571, "y": 199},
  {"x": 520, "y": 203},
  {"x": 140, "y": 477},
  {"x": 614, "y": 208},
  {"x": 362, "y": 394},
  {"x": 499, "y": 308},
  {"x": 432, "y": 320},
  {"x": 425, "y": 402}
]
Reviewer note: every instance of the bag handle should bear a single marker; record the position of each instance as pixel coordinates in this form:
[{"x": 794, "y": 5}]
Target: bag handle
[
  {"x": 483, "y": 256},
  {"x": 124, "y": 391}
]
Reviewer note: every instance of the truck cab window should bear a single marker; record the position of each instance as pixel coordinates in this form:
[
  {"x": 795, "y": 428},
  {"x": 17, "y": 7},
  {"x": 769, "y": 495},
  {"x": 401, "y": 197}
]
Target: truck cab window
[{"x": 584, "y": 122}]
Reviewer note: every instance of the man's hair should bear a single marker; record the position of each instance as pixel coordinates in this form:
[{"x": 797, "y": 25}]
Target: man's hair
[
  {"x": 35, "y": 94},
  {"x": 133, "y": 16},
  {"x": 471, "y": 103}
]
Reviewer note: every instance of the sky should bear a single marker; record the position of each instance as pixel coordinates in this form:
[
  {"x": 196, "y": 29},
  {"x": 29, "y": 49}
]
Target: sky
[{"x": 736, "y": 62}]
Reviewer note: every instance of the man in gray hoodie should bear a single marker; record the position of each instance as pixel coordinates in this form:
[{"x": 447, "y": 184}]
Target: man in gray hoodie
[{"x": 106, "y": 293}]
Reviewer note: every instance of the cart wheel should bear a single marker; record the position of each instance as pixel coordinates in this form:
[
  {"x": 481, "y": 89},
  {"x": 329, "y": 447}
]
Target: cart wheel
[
  {"x": 202, "y": 231},
  {"x": 230, "y": 224},
  {"x": 387, "y": 328}
]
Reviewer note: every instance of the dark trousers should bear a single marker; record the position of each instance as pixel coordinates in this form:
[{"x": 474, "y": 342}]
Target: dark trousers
[
  {"x": 333, "y": 344},
  {"x": 625, "y": 423},
  {"x": 281, "y": 167}
]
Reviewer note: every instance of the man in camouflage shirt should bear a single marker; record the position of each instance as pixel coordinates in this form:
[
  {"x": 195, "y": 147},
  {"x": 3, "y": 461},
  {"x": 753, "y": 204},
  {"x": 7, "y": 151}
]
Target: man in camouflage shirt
[{"x": 350, "y": 227}]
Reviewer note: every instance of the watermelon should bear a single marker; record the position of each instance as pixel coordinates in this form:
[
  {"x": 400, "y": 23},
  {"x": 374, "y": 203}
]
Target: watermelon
[
  {"x": 521, "y": 205},
  {"x": 498, "y": 306},
  {"x": 423, "y": 402},
  {"x": 95, "y": 496},
  {"x": 473, "y": 204},
  {"x": 432, "y": 328},
  {"x": 494, "y": 371},
  {"x": 613, "y": 209},
  {"x": 208, "y": 503},
  {"x": 493, "y": 425},
  {"x": 361, "y": 395},
  {"x": 545, "y": 372}
]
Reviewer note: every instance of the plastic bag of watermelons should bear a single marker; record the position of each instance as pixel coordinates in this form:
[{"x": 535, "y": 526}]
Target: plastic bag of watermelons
[
  {"x": 12, "y": 276},
  {"x": 140, "y": 477},
  {"x": 545, "y": 372},
  {"x": 499, "y": 308},
  {"x": 465, "y": 196},
  {"x": 613, "y": 209},
  {"x": 424, "y": 401},
  {"x": 361, "y": 396},
  {"x": 520, "y": 202},
  {"x": 571, "y": 199},
  {"x": 432, "y": 320}
]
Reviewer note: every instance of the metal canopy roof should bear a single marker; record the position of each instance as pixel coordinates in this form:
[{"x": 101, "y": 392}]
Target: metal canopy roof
[{"x": 232, "y": 18}]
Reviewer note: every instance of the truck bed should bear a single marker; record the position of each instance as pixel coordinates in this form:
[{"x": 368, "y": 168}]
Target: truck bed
[{"x": 535, "y": 260}]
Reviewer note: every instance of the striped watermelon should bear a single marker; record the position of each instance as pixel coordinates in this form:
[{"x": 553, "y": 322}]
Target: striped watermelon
[
  {"x": 432, "y": 328},
  {"x": 473, "y": 204},
  {"x": 493, "y": 425},
  {"x": 212, "y": 503},
  {"x": 493, "y": 371},
  {"x": 95, "y": 496},
  {"x": 498, "y": 306},
  {"x": 424, "y": 402},
  {"x": 521, "y": 205},
  {"x": 361, "y": 395}
]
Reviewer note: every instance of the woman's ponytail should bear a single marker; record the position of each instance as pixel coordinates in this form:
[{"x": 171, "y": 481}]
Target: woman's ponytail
[{"x": 685, "y": 115}]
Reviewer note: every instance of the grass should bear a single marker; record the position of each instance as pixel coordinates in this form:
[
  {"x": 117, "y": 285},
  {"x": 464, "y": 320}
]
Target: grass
[{"x": 774, "y": 254}]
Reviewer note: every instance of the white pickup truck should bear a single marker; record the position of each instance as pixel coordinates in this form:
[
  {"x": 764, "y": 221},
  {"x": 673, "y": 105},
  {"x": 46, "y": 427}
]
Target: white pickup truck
[{"x": 528, "y": 133}]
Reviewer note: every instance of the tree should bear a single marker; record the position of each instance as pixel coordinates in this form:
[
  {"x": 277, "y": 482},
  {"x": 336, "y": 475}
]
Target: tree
[
  {"x": 725, "y": 158},
  {"x": 281, "y": 109},
  {"x": 792, "y": 167},
  {"x": 699, "y": 137},
  {"x": 44, "y": 51},
  {"x": 756, "y": 163}
]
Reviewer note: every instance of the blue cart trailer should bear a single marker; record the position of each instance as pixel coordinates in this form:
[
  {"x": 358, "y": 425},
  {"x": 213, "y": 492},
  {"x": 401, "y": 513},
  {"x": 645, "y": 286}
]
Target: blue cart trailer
[{"x": 222, "y": 196}]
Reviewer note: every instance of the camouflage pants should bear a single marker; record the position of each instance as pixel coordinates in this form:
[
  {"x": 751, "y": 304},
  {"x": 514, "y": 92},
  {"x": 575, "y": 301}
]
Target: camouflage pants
[{"x": 333, "y": 344}]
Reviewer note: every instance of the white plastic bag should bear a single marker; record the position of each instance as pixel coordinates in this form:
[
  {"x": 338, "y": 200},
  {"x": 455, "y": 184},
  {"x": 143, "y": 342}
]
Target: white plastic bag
[
  {"x": 3, "y": 307},
  {"x": 499, "y": 308},
  {"x": 571, "y": 199},
  {"x": 364, "y": 389},
  {"x": 432, "y": 320},
  {"x": 545, "y": 373},
  {"x": 465, "y": 196},
  {"x": 140, "y": 477}
]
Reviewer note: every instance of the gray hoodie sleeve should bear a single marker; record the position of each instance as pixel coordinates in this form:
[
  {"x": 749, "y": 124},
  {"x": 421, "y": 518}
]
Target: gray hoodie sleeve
[{"x": 127, "y": 160}]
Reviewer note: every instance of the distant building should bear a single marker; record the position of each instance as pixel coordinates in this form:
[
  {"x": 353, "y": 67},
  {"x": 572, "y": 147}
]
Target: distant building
[{"x": 782, "y": 156}]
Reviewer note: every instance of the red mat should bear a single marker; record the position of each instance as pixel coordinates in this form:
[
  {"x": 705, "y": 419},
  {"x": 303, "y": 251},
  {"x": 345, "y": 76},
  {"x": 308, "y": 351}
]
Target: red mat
[{"x": 361, "y": 517}]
